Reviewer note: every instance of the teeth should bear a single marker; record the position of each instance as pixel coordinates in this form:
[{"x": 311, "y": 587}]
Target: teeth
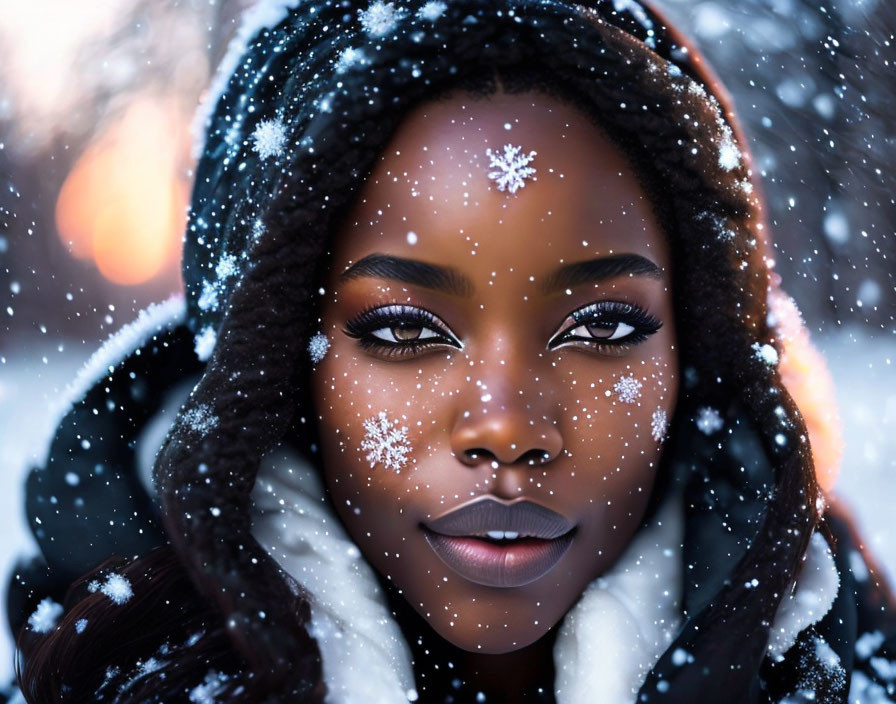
[{"x": 503, "y": 534}]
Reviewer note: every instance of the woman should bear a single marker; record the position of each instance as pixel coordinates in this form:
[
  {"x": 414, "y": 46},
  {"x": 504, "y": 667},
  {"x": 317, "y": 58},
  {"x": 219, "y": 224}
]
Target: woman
[{"x": 478, "y": 394}]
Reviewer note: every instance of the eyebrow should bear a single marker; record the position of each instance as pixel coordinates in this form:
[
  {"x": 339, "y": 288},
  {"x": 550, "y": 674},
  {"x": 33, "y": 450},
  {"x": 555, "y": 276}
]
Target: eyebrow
[
  {"x": 410, "y": 271},
  {"x": 593, "y": 270}
]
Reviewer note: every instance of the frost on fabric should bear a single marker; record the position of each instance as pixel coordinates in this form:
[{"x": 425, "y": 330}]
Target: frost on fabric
[
  {"x": 201, "y": 419},
  {"x": 628, "y": 389},
  {"x": 212, "y": 686},
  {"x": 270, "y": 138},
  {"x": 45, "y": 616},
  {"x": 318, "y": 346},
  {"x": 765, "y": 352},
  {"x": 385, "y": 442},
  {"x": 117, "y": 587},
  {"x": 511, "y": 167},
  {"x": 208, "y": 298},
  {"x": 380, "y": 18},
  {"x": 709, "y": 420},
  {"x": 432, "y": 10},
  {"x": 226, "y": 267},
  {"x": 658, "y": 424},
  {"x": 350, "y": 58},
  {"x": 204, "y": 343}
]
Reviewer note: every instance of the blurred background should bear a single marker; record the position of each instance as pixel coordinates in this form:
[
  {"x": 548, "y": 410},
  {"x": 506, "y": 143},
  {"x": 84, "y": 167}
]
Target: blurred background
[{"x": 96, "y": 104}]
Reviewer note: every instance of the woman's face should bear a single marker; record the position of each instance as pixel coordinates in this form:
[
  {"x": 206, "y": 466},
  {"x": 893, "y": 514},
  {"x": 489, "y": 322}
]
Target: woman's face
[{"x": 504, "y": 350}]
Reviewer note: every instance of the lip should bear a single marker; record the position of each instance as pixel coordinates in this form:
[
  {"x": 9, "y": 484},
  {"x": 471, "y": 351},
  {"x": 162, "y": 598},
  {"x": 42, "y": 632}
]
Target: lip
[{"x": 460, "y": 540}]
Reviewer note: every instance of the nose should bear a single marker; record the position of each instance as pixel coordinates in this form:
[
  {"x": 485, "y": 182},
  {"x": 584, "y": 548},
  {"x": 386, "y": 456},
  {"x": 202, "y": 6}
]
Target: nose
[{"x": 510, "y": 428}]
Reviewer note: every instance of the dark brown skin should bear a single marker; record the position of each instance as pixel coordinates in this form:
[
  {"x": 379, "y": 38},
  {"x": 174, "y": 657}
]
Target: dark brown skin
[{"x": 476, "y": 415}]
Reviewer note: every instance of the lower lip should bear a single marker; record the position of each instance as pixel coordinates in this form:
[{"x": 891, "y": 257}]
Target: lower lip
[{"x": 514, "y": 565}]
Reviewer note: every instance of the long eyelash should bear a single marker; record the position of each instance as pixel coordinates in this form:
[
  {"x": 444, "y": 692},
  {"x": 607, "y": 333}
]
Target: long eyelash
[
  {"x": 643, "y": 323},
  {"x": 377, "y": 317}
]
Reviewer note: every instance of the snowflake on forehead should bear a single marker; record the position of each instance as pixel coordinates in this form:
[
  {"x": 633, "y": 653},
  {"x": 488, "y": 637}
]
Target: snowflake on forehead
[
  {"x": 511, "y": 168},
  {"x": 659, "y": 423},
  {"x": 709, "y": 420},
  {"x": 628, "y": 389},
  {"x": 380, "y": 18},
  {"x": 385, "y": 442},
  {"x": 270, "y": 138}
]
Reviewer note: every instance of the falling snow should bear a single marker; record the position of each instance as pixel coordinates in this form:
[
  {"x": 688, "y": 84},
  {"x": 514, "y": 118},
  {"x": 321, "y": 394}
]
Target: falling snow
[
  {"x": 318, "y": 346},
  {"x": 641, "y": 17},
  {"x": 208, "y": 299},
  {"x": 380, "y": 18},
  {"x": 709, "y": 420},
  {"x": 117, "y": 587},
  {"x": 270, "y": 138},
  {"x": 80, "y": 625},
  {"x": 628, "y": 389},
  {"x": 204, "y": 343},
  {"x": 226, "y": 267},
  {"x": 432, "y": 10},
  {"x": 511, "y": 168},
  {"x": 385, "y": 442},
  {"x": 45, "y": 616},
  {"x": 658, "y": 424},
  {"x": 210, "y": 689},
  {"x": 764, "y": 352},
  {"x": 349, "y": 59}
]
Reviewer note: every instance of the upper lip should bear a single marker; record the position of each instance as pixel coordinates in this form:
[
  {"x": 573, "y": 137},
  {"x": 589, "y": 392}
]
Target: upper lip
[{"x": 527, "y": 518}]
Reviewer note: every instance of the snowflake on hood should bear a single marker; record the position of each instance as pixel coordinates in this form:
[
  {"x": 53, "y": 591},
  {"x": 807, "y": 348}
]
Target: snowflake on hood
[
  {"x": 270, "y": 138},
  {"x": 511, "y": 168}
]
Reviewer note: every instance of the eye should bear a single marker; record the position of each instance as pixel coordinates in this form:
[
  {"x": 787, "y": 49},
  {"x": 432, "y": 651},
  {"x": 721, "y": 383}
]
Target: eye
[
  {"x": 608, "y": 324},
  {"x": 398, "y": 330}
]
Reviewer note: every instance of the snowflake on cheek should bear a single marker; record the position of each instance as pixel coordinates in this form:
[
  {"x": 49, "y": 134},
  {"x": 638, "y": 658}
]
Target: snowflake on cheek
[
  {"x": 385, "y": 443},
  {"x": 659, "y": 423},
  {"x": 511, "y": 168},
  {"x": 628, "y": 389}
]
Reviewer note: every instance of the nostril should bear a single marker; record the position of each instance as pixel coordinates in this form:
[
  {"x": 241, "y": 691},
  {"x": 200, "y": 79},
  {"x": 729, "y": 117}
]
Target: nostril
[
  {"x": 535, "y": 457},
  {"x": 531, "y": 458}
]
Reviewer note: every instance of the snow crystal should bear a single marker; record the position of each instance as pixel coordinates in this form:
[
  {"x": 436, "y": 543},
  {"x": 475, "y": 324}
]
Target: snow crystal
[
  {"x": 226, "y": 267},
  {"x": 350, "y": 58},
  {"x": 205, "y": 343},
  {"x": 45, "y": 616},
  {"x": 201, "y": 419},
  {"x": 208, "y": 299},
  {"x": 511, "y": 167},
  {"x": 709, "y": 420},
  {"x": 765, "y": 353},
  {"x": 318, "y": 346},
  {"x": 857, "y": 566},
  {"x": 211, "y": 687},
  {"x": 116, "y": 587},
  {"x": 385, "y": 442},
  {"x": 432, "y": 10},
  {"x": 884, "y": 668},
  {"x": 628, "y": 389},
  {"x": 729, "y": 154},
  {"x": 270, "y": 138},
  {"x": 868, "y": 643},
  {"x": 380, "y": 18},
  {"x": 258, "y": 229},
  {"x": 658, "y": 424},
  {"x": 80, "y": 625}
]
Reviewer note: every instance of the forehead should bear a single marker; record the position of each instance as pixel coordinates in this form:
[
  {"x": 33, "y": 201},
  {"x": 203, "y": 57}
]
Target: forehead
[{"x": 429, "y": 196}]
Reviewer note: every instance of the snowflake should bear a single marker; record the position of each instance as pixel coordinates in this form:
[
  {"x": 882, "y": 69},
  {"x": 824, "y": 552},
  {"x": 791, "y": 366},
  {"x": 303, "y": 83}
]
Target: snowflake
[
  {"x": 350, "y": 58},
  {"x": 628, "y": 389},
  {"x": 709, "y": 420},
  {"x": 258, "y": 229},
  {"x": 432, "y": 10},
  {"x": 226, "y": 267},
  {"x": 318, "y": 346},
  {"x": 658, "y": 424},
  {"x": 380, "y": 18},
  {"x": 208, "y": 299},
  {"x": 80, "y": 625},
  {"x": 270, "y": 138},
  {"x": 116, "y": 587},
  {"x": 386, "y": 443},
  {"x": 207, "y": 692},
  {"x": 511, "y": 168},
  {"x": 719, "y": 224},
  {"x": 205, "y": 343},
  {"x": 45, "y": 616},
  {"x": 201, "y": 419},
  {"x": 765, "y": 353}
]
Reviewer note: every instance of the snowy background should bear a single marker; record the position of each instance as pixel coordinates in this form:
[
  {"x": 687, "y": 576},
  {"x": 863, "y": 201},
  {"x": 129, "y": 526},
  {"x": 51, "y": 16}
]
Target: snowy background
[{"x": 96, "y": 101}]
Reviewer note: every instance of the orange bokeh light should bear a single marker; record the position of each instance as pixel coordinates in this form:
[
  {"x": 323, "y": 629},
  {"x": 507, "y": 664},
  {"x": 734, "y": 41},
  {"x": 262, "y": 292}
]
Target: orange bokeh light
[{"x": 123, "y": 203}]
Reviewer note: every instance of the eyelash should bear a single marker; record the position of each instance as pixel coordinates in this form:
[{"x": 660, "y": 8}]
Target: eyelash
[{"x": 608, "y": 313}]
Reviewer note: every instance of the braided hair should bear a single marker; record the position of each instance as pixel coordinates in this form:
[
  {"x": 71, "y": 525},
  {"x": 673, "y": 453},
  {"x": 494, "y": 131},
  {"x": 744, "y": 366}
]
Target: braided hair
[{"x": 308, "y": 108}]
